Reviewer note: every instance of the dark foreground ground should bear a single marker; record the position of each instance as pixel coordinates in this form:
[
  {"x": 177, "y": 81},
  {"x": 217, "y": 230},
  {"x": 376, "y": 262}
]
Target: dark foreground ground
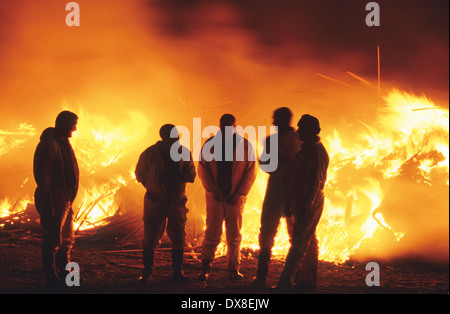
[{"x": 112, "y": 270}]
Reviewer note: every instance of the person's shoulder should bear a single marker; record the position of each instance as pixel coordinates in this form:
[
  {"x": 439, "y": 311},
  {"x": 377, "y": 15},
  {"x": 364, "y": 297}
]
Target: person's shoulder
[
  {"x": 152, "y": 148},
  {"x": 48, "y": 135},
  {"x": 319, "y": 145},
  {"x": 47, "y": 141},
  {"x": 291, "y": 137},
  {"x": 319, "y": 148},
  {"x": 323, "y": 149}
]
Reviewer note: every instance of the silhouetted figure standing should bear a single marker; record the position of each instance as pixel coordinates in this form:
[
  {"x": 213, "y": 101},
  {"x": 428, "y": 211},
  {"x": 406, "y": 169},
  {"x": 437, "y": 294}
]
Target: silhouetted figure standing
[
  {"x": 227, "y": 171},
  {"x": 56, "y": 174},
  {"x": 276, "y": 201},
  {"x": 165, "y": 199},
  {"x": 307, "y": 201}
]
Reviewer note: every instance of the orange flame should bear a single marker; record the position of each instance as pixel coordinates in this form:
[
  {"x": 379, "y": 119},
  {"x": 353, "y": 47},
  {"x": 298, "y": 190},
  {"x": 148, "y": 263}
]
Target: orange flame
[{"x": 408, "y": 128}]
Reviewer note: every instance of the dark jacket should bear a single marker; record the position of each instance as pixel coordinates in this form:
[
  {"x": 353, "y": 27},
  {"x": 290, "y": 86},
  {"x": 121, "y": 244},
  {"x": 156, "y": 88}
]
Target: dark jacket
[
  {"x": 280, "y": 180},
  {"x": 166, "y": 187},
  {"x": 309, "y": 178},
  {"x": 55, "y": 167}
]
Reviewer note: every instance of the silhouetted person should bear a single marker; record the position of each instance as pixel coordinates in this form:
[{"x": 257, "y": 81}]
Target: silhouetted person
[
  {"x": 56, "y": 173},
  {"x": 276, "y": 201},
  {"x": 165, "y": 199},
  {"x": 307, "y": 201},
  {"x": 227, "y": 171}
]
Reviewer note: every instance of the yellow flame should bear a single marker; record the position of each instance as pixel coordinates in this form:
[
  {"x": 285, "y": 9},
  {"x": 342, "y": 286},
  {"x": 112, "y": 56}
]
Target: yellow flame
[
  {"x": 10, "y": 140},
  {"x": 100, "y": 146},
  {"x": 407, "y": 126},
  {"x": 5, "y": 206},
  {"x": 408, "y": 130}
]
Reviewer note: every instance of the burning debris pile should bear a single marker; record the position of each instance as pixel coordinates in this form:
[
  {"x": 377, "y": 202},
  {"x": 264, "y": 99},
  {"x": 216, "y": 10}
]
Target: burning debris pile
[
  {"x": 387, "y": 186},
  {"x": 407, "y": 146}
]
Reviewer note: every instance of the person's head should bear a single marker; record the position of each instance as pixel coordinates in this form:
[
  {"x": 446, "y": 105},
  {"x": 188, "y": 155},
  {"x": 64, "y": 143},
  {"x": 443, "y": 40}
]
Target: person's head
[
  {"x": 227, "y": 120},
  {"x": 165, "y": 132},
  {"x": 282, "y": 117},
  {"x": 66, "y": 124},
  {"x": 308, "y": 128}
]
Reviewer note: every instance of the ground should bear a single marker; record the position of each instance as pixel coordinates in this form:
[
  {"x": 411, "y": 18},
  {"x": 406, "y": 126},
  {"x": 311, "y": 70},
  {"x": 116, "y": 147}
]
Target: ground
[{"x": 114, "y": 270}]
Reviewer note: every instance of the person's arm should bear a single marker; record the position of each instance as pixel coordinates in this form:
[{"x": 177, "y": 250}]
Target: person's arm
[
  {"x": 141, "y": 171},
  {"x": 248, "y": 177},
  {"x": 307, "y": 180},
  {"x": 188, "y": 173},
  {"x": 42, "y": 169},
  {"x": 247, "y": 180},
  {"x": 206, "y": 176}
]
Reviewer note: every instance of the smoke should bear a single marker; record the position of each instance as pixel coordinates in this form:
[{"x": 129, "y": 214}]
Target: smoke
[
  {"x": 211, "y": 54},
  {"x": 413, "y": 38}
]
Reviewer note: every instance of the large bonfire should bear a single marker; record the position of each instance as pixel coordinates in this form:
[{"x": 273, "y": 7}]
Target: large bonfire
[{"x": 382, "y": 181}]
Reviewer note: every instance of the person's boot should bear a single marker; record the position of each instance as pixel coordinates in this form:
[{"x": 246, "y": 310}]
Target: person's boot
[
  {"x": 48, "y": 261},
  {"x": 177, "y": 262},
  {"x": 61, "y": 261},
  {"x": 148, "y": 257},
  {"x": 206, "y": 270},
  {"x": 263, "y": 268},
  {"x": 290, "y": 268},
  {"x": 306, "y": 277}
]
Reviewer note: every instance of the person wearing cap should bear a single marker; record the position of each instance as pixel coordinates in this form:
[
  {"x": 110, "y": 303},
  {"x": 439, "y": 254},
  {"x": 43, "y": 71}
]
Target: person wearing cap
[
  {"x": 307, "y": 202},
  {"x": 227, "y": 171},
  {"x": 276, "y": 201},
  {"x": 164, "y": 177},
  {"x": 56, "y": 173}
]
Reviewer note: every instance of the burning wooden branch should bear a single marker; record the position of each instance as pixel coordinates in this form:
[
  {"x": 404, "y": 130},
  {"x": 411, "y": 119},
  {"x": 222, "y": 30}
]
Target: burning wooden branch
[
  {"x": 27, "y": 220},
  {"x": 83, "y": 214}
]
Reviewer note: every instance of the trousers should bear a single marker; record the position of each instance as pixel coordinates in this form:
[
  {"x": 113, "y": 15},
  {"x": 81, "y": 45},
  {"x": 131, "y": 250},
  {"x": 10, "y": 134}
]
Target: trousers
[
  {"x": 304, "y": 248},
  {"x": 56, "y": 218},
  {"x": 216, "y": 213},
  {"x": 154, "y": 227}
]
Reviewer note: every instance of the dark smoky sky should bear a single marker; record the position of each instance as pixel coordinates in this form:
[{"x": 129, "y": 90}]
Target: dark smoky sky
[
  {"x": 123, "y": 47},
  {"x": 413, "y": 36}
]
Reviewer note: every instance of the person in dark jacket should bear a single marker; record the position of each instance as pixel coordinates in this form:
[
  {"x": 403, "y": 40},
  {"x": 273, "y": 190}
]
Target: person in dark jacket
[
  {"x": 165, "y": 199},
  {"x": 307, "y": 202},
  {"x": 56, "y": 174},
  {"x": 276, "y": 201}
]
